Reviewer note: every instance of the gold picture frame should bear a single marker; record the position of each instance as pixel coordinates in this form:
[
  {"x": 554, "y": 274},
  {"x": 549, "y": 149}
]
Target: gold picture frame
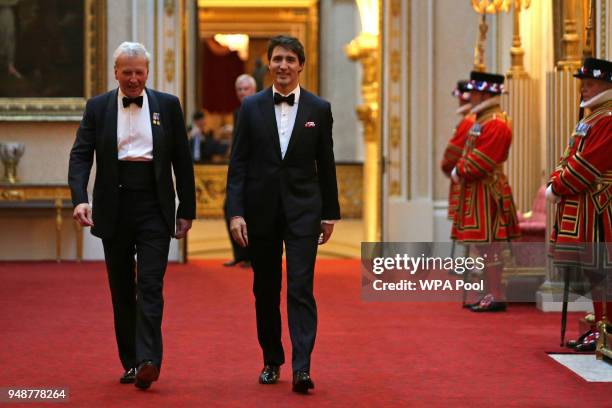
[{"x": 94, "y": 75}]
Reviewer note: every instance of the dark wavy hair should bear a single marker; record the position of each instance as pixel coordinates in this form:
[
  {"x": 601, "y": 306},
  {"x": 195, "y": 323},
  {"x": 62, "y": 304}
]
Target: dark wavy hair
[{"x": 288, "y": 43}]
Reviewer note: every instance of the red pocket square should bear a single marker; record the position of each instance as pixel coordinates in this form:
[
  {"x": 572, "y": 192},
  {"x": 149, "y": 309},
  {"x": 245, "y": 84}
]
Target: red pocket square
[{"x": 310, "y": 125}]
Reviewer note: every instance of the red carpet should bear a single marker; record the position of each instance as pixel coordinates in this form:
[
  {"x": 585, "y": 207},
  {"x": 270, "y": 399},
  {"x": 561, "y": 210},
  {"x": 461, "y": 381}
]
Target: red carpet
[{"x": 57, "y": 331}]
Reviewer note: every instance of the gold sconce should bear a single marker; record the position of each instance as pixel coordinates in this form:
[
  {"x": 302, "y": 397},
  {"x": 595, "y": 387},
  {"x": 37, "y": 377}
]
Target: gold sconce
[
  {"x": 484, "y": 7},
  {"x": 365, "y": 48}
]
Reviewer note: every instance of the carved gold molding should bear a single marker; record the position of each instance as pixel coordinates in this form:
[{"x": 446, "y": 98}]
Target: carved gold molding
[
  {"x": 211, "y": 181},
  {"x": 394, "y": 44},
  {"x": 366, "y": 48},
  {"x": 570, "y": 41},
  {"x": 603, "y": 31},
  {"x": 94, "y": 65},
  {"x": 169, "y": 7},
  {"x": 256, "y": 3},
  {"x": 517, "y": 68},
  {"x": 169, "y": 62}
]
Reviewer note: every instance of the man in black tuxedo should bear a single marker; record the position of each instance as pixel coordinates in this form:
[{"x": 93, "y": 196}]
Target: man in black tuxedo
[
  {"x": 138, "y": 136},
  {"x": 282, "y": 185}
]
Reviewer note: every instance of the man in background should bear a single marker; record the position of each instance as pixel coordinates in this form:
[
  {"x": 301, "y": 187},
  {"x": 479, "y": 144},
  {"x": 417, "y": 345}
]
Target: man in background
[
  {"x": 245, "y": 86},
  {"x": 454, "y": 148},
  {"x": 202, "y": 143},
  {"x": 486, "y": 213},
  {"x": 581, "y": 188}
]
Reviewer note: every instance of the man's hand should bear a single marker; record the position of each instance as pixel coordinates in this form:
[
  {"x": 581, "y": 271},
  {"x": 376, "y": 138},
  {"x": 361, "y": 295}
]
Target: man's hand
[
  {"x": 182, "y": 226},
  {"x": 238, "y": 229},
  {"x": 326, "y": 232},
  {"x": 82, "y": 213}
]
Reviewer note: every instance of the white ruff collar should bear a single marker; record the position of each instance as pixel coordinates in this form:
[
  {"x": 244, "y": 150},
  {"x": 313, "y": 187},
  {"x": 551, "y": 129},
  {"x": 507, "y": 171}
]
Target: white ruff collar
[
  {"x": 598, "y": 99},
  {"x": 496, "y": 100}
]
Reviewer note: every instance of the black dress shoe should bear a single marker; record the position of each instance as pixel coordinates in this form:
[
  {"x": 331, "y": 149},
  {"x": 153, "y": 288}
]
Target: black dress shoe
[
  {"x": 471, "y": 305},
  {"x": 588, "y": 343},
  {"x": 232, "y": 262},
  {"x": 269, "y": 374},
  {"x": 128, "y": 377},
  {"x": 490, "y": 307},
  {"x": 489, "y": 304},
  {"x": 302, "y": 382},
  {"x": 146, "y": 374},
  {"x": 574, "y": 343},
  {"x": 586, "y": 347}
]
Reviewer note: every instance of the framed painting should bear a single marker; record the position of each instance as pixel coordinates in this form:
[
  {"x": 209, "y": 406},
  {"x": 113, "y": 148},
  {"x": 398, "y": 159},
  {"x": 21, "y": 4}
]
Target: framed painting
[{"x": 52, "y": 58}]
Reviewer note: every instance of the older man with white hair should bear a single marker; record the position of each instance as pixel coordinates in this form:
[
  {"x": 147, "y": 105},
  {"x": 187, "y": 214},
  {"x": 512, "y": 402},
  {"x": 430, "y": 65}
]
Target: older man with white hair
[{"x": 138, "y": 136}]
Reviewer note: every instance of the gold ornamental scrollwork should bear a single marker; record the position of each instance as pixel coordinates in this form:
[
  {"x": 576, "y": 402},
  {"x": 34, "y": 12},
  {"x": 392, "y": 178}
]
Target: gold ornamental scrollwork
[
  {"x": 602, "y": 32},
  {"x": 571, "y": 40},
  {"x": 169, "y": 60},
  {"x": 210, "y": 182},
  {"x": 169, "y": 7},
  {"x": 364, "y": 49}
]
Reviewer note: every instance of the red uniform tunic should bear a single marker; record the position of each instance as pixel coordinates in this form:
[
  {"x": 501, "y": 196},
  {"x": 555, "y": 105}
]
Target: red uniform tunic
[
  {"x": 583, "y": 180},
  {"x": 452, "y": 154},
  {"x": 486, "y": 210}
]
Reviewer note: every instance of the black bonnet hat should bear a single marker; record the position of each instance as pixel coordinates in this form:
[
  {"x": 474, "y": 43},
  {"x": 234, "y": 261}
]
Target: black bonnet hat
[
  {"x": 462, "y": 90},
  {"x": 486, "y": 82},
  {"x": 596, "y": 69}
]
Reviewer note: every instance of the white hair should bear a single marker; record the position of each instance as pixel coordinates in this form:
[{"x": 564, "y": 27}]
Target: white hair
[
  {"x": 246, "y": 78},
  {"x": 131, "y": 49}
]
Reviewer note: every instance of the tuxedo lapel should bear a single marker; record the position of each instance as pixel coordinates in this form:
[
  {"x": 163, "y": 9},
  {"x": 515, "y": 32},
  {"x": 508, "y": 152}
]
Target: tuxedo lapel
[
  {"x": 304, "y": 108},
  {"x": 157, "y": 130},
  {"x": 266, "y": 105},
  {"x": 111, "y": 155}
]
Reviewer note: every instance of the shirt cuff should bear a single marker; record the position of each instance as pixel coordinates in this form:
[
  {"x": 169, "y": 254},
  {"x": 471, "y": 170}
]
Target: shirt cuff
[
  {"x": 329, "y": 221},
  {"x": 454, "y": 175},
  {"x": 551, "y": 196}
]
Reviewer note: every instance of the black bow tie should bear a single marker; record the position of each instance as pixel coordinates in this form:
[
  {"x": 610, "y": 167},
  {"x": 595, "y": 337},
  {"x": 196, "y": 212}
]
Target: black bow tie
[
  {"x": 128, "y": 101},
  {"x": 278, "y": 98}
]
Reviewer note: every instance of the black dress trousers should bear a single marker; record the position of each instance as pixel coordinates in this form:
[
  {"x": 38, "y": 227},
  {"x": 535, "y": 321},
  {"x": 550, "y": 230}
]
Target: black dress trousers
[
  {"x": 266, "y": 259},
  {"x": 136, "y": 259}
]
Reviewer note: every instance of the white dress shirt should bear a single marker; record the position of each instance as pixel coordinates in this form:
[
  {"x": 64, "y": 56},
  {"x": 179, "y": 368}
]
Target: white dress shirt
[
  {"x": 285, "y": 118},
  {"x": 134, "y": 133}
]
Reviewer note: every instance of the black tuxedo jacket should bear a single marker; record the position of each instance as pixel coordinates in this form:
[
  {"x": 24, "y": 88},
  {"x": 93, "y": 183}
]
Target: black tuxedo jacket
[
  {"x": 302, "y": 186},
  {"x": 98, "y": 132}
]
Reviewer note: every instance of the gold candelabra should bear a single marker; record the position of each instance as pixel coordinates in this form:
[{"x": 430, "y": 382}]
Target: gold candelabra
[
  {"x": 484, "y": 7},
  {"x": 517, "y": 68}
]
